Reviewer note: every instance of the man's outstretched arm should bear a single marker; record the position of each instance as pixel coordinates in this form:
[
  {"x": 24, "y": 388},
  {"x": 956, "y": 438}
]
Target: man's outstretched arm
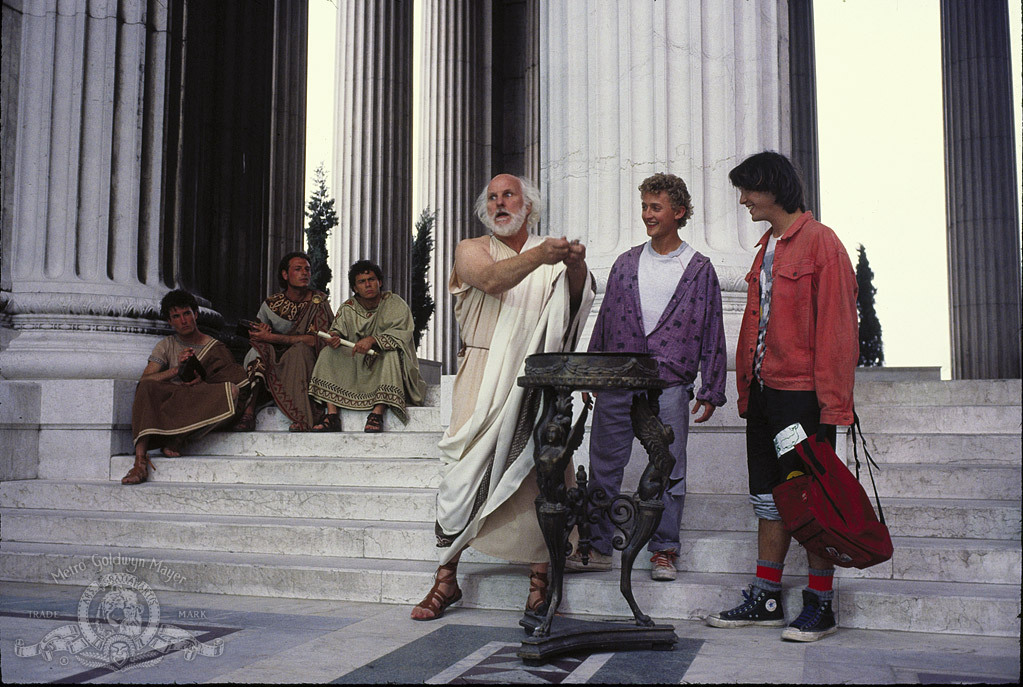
[{"x": 475, "y": 266}]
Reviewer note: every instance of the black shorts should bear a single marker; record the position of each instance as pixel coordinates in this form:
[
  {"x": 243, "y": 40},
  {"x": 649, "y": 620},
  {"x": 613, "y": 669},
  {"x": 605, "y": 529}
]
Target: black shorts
[{"x": 769, "y": 411}]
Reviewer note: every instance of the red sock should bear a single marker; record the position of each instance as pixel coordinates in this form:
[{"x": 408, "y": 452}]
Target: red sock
[
  {"x": 770, "y": 574},
  {"x": 821, "y": 583}
]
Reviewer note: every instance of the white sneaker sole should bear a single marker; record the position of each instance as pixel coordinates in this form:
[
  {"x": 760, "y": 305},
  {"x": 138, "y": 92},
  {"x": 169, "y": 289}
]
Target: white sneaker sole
[
  {"x": 795, "y": 635},
  {"x": 663, "y": 575},
  {"x": 715, "y": 621}
]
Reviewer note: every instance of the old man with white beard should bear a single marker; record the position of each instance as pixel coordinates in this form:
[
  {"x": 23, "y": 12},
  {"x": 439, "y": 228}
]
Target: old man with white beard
[{"x": 515, "y": 294}]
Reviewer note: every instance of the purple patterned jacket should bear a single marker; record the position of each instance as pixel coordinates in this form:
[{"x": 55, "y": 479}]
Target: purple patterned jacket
[{"x": 690, "y": 332}]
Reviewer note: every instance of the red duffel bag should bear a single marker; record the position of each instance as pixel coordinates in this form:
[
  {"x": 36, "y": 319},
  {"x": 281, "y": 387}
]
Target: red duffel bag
[{"x": 828, "y": 511}]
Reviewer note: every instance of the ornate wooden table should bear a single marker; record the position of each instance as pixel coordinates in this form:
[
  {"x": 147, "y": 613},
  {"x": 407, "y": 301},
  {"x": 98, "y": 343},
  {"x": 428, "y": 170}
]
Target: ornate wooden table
[{"x": 560, "y": 509}]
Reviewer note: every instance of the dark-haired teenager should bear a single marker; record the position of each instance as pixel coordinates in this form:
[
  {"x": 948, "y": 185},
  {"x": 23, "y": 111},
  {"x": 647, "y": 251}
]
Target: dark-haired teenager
[
  {"x": 167, "y": 409},
  {"x": 795, "y": 359},
  {"x": 285, "y": 345},
  {"x": 382, "y": 369}
]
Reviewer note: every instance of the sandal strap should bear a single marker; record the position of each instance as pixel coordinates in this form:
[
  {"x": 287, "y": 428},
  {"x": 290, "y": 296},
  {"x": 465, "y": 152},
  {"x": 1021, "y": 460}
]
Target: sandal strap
[
  {"x": 436, "y": 601},
  {"x": 537, "y": 585},
  {"x": 139, "y": 471}
]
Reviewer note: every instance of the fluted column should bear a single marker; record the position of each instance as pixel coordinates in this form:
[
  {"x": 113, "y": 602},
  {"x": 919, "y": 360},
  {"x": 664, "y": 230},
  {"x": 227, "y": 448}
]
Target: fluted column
[
  {"x": 453, "y": 157},
  {"x": 288, "y": 124},
  {"x": 982, "y": 205},
  {"x": 82, "y": 209},
  {"x": 803, "y": 96},
  {"x": 634, "y": 88},
  {"x": 372, "y": 157}
]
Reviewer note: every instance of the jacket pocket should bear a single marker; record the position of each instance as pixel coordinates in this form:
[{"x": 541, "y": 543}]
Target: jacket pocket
[{"x": 791, "y": 303}]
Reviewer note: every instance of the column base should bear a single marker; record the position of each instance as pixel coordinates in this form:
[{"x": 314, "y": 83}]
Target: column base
[{"x": 76, "y": 354}]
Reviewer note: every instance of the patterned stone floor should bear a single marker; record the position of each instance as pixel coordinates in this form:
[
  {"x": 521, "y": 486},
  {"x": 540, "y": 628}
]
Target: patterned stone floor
[{"x": 120, "y": 631}]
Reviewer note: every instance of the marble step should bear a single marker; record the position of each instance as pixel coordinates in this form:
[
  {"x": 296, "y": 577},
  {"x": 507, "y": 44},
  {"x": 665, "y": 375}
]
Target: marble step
[
  {"x": 962, "y": 518},
  {"x": 942, "y": 607},
  {"x": 288, "y": 470},
  {"x": 295, "y": 501},
  {"x": 941, "y": 419},
  {"x": 952, "y": 449},
  {"x": 422, "y": 444},
  {"x": 908, "y": 480},
  {"x": 421, "y": 418},
  {"x": 921, "y": 417},
  {"x": 932, "y": 393},
  {"x": 911, "y": 480},
  {"x": 948, "y": 560},
  {"x": 936, "y": 559},
  {"x": 952, "y": 518}
]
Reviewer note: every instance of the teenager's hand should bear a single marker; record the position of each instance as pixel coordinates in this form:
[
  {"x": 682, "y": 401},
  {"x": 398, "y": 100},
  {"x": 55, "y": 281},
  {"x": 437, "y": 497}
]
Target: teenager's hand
[{"x": 708, "y": 410}]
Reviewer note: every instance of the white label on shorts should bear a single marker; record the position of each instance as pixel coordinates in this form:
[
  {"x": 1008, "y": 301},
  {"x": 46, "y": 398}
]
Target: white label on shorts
[{"x": 786, "y": 440}]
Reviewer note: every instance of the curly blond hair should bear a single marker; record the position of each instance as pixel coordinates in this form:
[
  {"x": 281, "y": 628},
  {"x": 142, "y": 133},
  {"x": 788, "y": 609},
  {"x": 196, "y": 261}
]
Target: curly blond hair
[{"x": 676, "y": 190}]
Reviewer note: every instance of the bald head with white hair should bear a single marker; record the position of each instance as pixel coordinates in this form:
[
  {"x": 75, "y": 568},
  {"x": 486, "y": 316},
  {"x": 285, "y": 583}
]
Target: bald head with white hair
[{"x": 508, "y": 203}]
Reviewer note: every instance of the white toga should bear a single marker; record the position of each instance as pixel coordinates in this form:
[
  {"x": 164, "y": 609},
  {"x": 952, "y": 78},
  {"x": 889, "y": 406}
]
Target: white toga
[{"x": 485, "y": 498}]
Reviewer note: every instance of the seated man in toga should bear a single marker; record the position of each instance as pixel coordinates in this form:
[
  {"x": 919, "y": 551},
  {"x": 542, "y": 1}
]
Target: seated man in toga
[
  {"x": 381, "y": 370},
  {"x": 173, "y": 403},
  {"x": 285, "y": 345}
]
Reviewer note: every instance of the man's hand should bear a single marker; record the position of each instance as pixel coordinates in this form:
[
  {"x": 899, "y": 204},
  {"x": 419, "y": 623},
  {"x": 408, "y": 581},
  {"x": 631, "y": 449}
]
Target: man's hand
[
  {"x": 335, "y": 340},
  {"x": 182, "y": 357},
  {"x": 708, "y": 410},
  {"x": 261, "y": 333},
  {"x": 576, "y": 255},
  {"x": 552, "y": 251},
  {"x": 363, "y": 345}
]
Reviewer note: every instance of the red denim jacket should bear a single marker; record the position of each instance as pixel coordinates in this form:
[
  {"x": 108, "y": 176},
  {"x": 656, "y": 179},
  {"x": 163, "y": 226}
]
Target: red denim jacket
[{"x": 812, "y": 339}]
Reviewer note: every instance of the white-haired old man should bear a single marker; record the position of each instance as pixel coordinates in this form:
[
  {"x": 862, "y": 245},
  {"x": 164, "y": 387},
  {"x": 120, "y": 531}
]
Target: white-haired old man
[{"x": 516, "y": 294}]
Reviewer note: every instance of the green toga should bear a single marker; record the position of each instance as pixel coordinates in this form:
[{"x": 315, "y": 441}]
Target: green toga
[{"x": 362, "y": 381}]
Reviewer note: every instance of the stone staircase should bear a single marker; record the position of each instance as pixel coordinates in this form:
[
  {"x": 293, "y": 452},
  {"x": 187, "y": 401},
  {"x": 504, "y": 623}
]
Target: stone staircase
[{"x": 350, "y": 516}]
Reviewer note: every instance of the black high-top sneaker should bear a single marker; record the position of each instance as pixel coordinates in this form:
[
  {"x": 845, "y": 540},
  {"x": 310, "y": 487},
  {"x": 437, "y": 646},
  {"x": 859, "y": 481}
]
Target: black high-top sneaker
[
  {"x": 816, "y": 621},
  {"x": 760, "y": 607}
]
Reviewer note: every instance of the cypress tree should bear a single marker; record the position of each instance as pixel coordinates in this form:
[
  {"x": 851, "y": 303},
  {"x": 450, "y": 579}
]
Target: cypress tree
[
  {"x": 322, "y": 219},
  {"x": 422, "y": 304},
  {"x": 871, "y": 347}
]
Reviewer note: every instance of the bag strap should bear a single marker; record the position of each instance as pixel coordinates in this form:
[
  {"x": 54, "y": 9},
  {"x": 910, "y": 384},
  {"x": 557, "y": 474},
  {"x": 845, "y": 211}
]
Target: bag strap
[{"x": 869, "y": 460}]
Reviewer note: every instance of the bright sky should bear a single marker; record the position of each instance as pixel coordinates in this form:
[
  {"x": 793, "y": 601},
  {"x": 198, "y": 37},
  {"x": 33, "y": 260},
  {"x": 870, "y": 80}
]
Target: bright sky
[
  {"x": 880, "y": 132},
  {"x": 879, "y": 113}
]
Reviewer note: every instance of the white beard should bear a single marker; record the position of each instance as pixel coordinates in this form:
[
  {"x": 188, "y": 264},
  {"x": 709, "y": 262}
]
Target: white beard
[{"x": 512, "y": 227}]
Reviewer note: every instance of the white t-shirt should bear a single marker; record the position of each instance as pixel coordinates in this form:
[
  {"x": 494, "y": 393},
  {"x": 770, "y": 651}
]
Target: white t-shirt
[
  {"x": 766, "y": 282},
  {"x": 658, "y": 278}
]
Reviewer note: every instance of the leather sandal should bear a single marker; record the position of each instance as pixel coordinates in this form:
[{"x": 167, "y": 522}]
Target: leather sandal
[
  {"x": 139, "y": 472},
  {"x": 537, "y": 585},
  {"x": 436, "y": 601},
  {"x": 247, "y": 423},
  {"x": 331, "y": 422},
  {"x": 374, "y": 423}
]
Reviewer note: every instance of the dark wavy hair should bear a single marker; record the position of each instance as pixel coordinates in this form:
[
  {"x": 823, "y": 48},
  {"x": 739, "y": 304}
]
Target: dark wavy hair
[
  {"x": 178, "y": 298},
  {"x": 772, "y": 172},
  {"x": 676, "y": 190},
  {"x": 285, "y": 263},
  {"x": 361, "y": 267}
]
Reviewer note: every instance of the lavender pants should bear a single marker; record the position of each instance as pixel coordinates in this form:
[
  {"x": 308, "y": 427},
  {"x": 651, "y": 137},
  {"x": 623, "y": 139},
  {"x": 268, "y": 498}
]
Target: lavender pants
[{"x": 611, "y": 440}]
